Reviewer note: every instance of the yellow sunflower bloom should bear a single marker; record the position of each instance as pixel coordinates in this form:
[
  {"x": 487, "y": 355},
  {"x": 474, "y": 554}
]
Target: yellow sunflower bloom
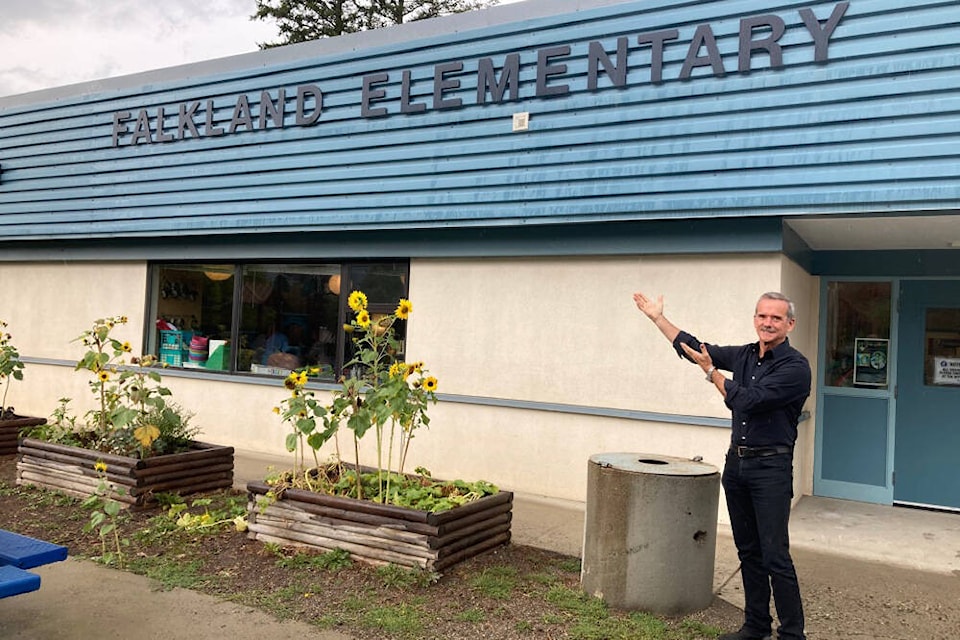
[
  {"x": 276, "y": 410},
  {"x": 404, "y": 309},
  {"x": 363, "y": 318},
  {"x": 302, "y": 378},
  {"x": 357, "y": 301},
  {"x": 395, "y": 369},
  {"x": 100, "y": 466},
  {"x": 104, "y": 376},
  {"x": 126, "y": 347},
  {"x": 430, "y": 384}
]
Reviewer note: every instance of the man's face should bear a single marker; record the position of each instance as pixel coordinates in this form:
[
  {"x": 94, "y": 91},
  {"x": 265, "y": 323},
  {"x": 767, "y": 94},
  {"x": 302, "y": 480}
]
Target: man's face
[{"x": 771, "y": 323}]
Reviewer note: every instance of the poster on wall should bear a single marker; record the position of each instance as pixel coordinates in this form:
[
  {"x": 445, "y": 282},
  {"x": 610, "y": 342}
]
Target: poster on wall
[
  {"x": 870, "y": 368},
  {"x": 946, "y": 371}
]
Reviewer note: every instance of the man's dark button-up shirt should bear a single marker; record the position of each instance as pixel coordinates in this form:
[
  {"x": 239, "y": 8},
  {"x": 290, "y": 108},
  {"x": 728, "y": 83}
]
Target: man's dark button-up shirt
[{"x": 766, "y": 394}]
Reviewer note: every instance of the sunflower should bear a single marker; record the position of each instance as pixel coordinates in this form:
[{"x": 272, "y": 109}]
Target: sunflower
[
  {"x": 404, "y": 309},
  {"x": 103, "y": 375},
  {"x": 126, "y": 347},
  {"x": 357, "y": 301},
  {"x": 100, "y": 466},
  {"x": 395, "y": 369},
  {"x": 363, "y": 318},
  {"x": 430, "y": 384},
  {"x": 302, "y": 378}
]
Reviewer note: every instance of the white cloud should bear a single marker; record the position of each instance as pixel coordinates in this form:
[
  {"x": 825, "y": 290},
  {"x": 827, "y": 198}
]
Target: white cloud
[
  {"x": 50, "y": 43},
  {"x": 46, "y": 43}
]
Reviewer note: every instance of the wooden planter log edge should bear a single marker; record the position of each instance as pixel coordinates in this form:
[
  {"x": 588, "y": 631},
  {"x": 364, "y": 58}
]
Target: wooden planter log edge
[
  {"x": 386, "y": 510},
  {"x": 199, "y": 451},
  {"x": 378, "y": 533},
  {"x": 71, "y": 469},
  {"x": 10, "y": 431}
]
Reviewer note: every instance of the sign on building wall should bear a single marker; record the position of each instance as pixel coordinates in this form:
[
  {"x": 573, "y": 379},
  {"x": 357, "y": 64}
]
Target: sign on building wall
[
  {"x": 457, "y": 84},
  {"x": 946, "y": 371}
]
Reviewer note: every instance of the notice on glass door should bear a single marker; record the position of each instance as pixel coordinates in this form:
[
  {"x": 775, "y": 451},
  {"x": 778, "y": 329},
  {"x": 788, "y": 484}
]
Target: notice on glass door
[
  {"x": 946, "y": 371},
  {"x": 870, "y": 368}
]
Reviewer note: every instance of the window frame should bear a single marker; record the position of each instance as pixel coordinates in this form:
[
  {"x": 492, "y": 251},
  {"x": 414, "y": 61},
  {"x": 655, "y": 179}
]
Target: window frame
[{"x": 349, "y": 271}]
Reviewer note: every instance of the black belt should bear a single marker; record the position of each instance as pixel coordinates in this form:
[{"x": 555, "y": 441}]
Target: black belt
[{"x": 758, "y": 452}]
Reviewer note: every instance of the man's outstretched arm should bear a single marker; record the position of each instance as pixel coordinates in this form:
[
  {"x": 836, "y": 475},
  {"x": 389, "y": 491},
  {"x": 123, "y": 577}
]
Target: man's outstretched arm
[{"x": 653, "y": 309}]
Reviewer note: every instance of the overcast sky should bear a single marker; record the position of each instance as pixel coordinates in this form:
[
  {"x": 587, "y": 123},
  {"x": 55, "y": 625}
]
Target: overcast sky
[{"x": 50, "y": 43}]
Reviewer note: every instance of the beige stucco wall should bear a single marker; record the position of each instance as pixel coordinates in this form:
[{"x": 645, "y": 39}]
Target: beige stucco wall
[
  {"x": 804, "y": 290},
  {"x": 48, "y": 305},
  {"x": 549, "y": 330},
  {"x": 566, "y": 330}
]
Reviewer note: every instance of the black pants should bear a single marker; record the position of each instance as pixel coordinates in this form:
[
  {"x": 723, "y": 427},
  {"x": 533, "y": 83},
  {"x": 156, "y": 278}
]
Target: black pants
[{"x": 759, "y": 491}]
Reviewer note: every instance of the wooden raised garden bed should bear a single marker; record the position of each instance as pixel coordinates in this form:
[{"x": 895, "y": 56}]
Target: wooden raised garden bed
[
  {"x": 10, "y": 431},
  {"x": 378, "y": 533},
  {"x": 205, "y": 467}
]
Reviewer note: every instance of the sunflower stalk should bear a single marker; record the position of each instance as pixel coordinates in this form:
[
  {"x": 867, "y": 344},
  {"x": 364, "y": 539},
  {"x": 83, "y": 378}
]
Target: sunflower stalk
[{"x": 378, "y": 387}]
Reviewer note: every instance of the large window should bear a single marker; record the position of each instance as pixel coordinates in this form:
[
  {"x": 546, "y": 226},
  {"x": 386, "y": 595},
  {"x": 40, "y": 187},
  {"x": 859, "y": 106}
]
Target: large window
[{"x": 265, "y": 319}]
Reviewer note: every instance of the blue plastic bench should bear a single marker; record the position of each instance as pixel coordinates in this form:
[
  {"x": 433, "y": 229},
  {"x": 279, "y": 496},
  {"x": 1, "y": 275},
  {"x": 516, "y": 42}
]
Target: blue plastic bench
[
  {"x": 18, "y": 553},
  {"x": 14, "y": 581}
]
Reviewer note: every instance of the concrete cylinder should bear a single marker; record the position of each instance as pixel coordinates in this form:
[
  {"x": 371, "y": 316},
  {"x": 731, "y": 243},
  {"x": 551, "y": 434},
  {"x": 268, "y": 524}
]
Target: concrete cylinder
[{"x": 650, "y": 532}]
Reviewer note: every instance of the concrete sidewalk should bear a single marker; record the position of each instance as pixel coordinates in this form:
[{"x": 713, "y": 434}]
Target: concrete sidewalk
[{"x": 111, "y": 604}]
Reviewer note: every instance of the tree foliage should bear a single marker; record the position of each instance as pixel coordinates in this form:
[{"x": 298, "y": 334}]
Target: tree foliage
[{"x": 304, "y": 20}]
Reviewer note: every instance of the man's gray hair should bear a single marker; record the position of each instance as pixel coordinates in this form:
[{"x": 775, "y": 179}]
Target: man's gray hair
[{"x": 776, "y": 295}]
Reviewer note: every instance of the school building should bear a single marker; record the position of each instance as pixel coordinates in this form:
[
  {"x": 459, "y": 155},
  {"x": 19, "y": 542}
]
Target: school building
[{"x": 517, "y": 173}]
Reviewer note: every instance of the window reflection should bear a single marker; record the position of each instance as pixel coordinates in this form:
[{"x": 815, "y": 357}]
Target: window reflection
[
  {"x": 266, "y": 319},
  {"x": 855, "y": 310}
]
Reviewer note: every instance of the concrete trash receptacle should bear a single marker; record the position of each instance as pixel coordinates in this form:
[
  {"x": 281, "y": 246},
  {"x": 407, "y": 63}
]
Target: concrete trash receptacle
[{"x": 650, "y": 532}]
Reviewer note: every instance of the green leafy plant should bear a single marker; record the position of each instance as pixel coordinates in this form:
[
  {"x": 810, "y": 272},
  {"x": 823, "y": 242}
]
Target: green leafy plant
[
  {"x": 105, "y": 512},
  {"x": 11, "y": 368},
  {"x": 208, "y": 520},
  {"x": 381, "y": 395},
  {"x": 61, "y": 428},
  {"x": 133, "y": 414}
]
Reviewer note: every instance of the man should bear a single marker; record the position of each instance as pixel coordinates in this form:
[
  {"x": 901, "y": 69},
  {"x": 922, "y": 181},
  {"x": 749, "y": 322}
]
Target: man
[{"x": 771, "y": 381}]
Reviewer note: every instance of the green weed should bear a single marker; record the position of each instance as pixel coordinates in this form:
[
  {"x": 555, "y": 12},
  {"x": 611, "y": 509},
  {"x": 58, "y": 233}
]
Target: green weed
[
  {"x": 401, "y": 619},
  {"x": 471, "y": 615},
  {"x": 328, "y": 561},
  {"x": 403, "y": 577},
  {"x": 170, "y": 573},
  {"x": 496, "y": 582}
]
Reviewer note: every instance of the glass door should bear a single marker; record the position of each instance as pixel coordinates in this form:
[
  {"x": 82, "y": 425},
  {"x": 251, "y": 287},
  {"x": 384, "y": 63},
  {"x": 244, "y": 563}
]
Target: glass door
[{"x": 854, "y": 441}]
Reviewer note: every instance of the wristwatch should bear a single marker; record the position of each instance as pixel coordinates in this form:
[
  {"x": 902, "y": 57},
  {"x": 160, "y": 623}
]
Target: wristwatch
[{"x": 710, "y": 373}]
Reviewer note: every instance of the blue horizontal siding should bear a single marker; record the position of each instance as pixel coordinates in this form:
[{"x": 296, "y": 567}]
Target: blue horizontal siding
[{"x": 875, "y": 129}]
